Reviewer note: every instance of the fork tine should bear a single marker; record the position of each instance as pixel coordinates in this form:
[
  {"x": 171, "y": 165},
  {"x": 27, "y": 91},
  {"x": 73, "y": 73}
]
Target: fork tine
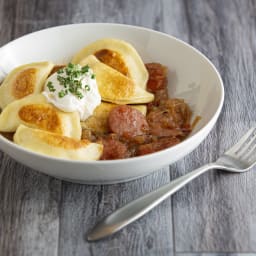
[
  {"x": 248, "y": 146},
  {"x": 252, "y": 160},
  {"x": 251, "y": 155},
  {"x": 242, "y": 142}
]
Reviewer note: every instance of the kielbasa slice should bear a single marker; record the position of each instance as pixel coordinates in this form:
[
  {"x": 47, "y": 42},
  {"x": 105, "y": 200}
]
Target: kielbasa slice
[
  {"x": 127, "y": 121},
  {"x": 157, "y": 77},
  {"x": 114, "y": 149}
]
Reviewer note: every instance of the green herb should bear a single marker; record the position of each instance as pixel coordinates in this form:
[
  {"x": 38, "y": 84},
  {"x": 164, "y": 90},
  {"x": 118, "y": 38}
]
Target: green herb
[
  {"x": 62, "y": 80},
  {"x": 62, "y": 93},
  {"x": 60, "y": 71},
  {"x": 72, "y": 80},
  {"x": 71, "y": 66},
  {"x": 85, "y": 69},
  {"x": 51, "y": 87},
  {"x": 87, "y": 87},
  {"x": 79, "y": 95}
]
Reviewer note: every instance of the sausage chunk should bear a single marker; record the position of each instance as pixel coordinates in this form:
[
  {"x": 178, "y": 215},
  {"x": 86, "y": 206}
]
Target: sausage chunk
[
  {"x": 127, "y": 121},
  {"x": 114, "y": 149},
  {"x": 157, "y": 77},
  {"x": 157, "y": 83}
]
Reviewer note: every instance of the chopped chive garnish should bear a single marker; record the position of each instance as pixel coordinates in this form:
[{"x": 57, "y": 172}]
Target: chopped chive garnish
[
  {"x": 87, "y": 87},
  {"x": 79, "y": 95},
  {"x": 71, "y": 80},
  {"x": 51, "y": 87},
  {"x": 62, "y": 94},
  {"x": 70, "y": 65},
  {"x": 85, "y": 69},
  {"x": 60, "y": 71}
]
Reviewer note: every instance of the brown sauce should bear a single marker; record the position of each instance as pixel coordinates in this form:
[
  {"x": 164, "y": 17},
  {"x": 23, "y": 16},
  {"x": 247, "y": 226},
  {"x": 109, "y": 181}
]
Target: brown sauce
[
  {"x": 168, "y": 122},
  {"x": 8, "y": 135}
]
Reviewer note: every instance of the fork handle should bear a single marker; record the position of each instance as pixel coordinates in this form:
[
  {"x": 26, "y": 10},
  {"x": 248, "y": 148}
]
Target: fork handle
[{"x": 137, "y": 208}]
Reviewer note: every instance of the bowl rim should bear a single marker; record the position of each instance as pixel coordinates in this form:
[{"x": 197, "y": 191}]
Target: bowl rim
[{"x": 212, "y": 119}]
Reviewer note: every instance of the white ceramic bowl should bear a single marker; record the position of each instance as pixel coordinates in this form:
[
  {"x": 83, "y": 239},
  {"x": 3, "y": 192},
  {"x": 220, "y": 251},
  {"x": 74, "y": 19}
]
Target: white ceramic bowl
[{"x": 192, "y": 77}]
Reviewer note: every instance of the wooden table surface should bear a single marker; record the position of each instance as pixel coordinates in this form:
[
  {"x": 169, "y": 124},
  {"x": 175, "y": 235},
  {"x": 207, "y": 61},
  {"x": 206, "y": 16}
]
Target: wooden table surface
[{"x": 213, "y": 215}]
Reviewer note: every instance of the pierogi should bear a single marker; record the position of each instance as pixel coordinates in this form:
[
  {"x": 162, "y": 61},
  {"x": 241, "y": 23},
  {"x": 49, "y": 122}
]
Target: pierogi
[
  {"x": 24, "y": 80},
  {"x": 115, "y": 87},
  {"x": 34, "y": 111},
  {"x": 119, "y": 55},
  {"x": 55, "y": 145}
]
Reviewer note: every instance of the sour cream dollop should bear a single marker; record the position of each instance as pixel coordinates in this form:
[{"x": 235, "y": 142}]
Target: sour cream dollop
[{"x": 73, "y": 88}]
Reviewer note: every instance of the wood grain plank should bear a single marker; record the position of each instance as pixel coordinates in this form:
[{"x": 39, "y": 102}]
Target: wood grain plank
[
  {"x": 29, "y": 201},
  {"x": 217, "y": 211},
  {"x": 174, "y": 19},
  {"x": 29, "y": 220},
  {"x": 6, "y": 14},
  {"x": 215, "y": 254},
  {"x": 83, "y": 206}
]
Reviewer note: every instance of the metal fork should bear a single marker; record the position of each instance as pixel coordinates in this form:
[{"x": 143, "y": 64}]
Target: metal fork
[{"x": 239, "y": 158}]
